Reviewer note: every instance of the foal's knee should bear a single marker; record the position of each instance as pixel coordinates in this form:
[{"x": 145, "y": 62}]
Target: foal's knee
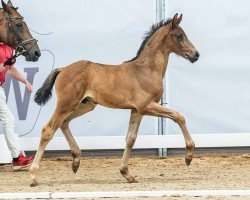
[
  {"x": 179, "y": 118},
  {"x": 64, "y": 126}
]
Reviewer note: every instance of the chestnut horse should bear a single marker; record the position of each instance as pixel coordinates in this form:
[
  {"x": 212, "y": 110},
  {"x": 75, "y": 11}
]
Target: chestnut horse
[
  {"x": 136, "y": 85},
  {"x": 15, "y": 33}
]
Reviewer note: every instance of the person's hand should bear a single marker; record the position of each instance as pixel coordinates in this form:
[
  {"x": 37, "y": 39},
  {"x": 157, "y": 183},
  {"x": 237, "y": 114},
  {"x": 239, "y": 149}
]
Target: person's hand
[
  {"x": 28, "y": 86},
  {"x": 1, "y": 67}
]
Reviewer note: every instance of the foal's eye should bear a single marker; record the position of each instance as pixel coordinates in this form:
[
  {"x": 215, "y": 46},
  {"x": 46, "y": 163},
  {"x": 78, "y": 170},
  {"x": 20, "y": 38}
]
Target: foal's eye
[
  {"x": 19, "y": 25},
  {"x": 180, "y": 37}
]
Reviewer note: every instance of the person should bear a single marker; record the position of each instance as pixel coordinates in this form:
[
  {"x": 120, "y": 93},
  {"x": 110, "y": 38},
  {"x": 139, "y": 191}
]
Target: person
[{"x": 20, "y": 161}]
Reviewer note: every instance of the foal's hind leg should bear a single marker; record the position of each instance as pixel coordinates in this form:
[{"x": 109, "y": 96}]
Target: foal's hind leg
[
  {"x": 76, "y": 151},
  {"x": 134, "y": 123},
  {"x": 48, "y": 131}
]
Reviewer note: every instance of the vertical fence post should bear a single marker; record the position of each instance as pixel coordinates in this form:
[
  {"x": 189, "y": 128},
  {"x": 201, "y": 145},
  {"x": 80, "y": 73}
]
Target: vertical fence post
[{"x": 160, "y": 15}]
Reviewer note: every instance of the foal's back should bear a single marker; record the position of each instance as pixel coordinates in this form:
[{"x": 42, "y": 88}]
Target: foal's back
[{"x": 113, "y": 86}]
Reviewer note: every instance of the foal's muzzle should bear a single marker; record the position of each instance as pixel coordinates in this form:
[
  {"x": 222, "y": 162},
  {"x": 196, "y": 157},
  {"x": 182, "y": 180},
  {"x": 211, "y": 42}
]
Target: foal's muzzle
[{"x": 193, "y": 56}]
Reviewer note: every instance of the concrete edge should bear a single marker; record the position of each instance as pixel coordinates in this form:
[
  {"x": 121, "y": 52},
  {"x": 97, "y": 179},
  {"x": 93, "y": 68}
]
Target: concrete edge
[{"x": 63, "y": 195}]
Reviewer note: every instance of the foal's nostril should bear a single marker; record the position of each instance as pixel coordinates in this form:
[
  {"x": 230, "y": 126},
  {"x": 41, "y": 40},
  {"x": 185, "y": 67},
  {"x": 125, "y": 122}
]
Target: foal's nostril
[
  {"x": 197, "y": 55},
  {"x": 37, "y": 53}
]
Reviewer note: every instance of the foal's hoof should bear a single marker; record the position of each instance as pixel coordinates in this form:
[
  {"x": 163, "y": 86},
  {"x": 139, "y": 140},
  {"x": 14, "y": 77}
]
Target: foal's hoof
[
  {"x": 75, "y": 168},
  {"x": 34, "y": 183},
  {"x": 132, "y": 180},
  {"x": 188, "y": 161}
]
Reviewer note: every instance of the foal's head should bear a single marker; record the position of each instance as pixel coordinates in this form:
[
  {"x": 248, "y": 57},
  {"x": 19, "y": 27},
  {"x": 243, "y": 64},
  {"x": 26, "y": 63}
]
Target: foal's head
[
  {"x": 179, "y": 42},
  {"x": 15, "y": 33}
]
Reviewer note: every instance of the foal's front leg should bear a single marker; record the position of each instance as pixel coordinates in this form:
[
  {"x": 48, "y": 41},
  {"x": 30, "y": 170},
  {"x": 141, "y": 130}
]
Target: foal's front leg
[
  {"x": 157, "y": 110},
  {"x": 134, "y": 123}
]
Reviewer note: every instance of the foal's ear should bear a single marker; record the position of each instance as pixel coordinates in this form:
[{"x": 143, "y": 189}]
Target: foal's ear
[
  {"x": 176, "y": 21},
  {"x": 10, "y": 3},
  {"x": 7, "y": 6},
  {"x": 4, "y": 5},
  {"x": 179, "y": 20}
]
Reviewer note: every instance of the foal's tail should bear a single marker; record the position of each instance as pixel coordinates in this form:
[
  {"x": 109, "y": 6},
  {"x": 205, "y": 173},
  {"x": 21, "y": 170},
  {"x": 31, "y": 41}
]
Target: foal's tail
[{"x": 44, "y": 93}]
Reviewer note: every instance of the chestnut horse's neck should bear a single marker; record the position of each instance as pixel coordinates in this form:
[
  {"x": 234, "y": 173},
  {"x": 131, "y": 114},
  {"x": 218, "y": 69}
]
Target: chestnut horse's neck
[{"x": 156, "y": 51}]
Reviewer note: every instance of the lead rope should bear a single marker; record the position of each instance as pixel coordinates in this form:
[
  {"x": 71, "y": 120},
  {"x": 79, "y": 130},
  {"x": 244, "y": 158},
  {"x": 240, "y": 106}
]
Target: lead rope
[
  {"x": 40, "y": 109},
  {"x": 40, "y": 33}
]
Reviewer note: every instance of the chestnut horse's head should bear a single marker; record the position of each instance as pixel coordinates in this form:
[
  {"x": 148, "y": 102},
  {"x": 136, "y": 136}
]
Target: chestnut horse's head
[
  {"x": 180, "y": 42},
  {"x": 15, "y": 33}
]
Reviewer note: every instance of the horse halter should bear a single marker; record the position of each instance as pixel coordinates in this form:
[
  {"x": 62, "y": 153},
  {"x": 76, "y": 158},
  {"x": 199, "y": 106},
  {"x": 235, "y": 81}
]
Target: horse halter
[{"x": 18, "y": 41}]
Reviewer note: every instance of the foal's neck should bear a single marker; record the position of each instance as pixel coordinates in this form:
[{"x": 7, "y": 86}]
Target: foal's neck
[{"x": 156, "y": 51}]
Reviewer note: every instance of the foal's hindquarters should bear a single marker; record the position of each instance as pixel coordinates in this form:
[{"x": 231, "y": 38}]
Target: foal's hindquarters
[{"x": 69, "y": 106}]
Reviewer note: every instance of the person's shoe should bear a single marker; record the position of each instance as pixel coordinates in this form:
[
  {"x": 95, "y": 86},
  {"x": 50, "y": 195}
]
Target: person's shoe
[{"x": 22, "y": 162}]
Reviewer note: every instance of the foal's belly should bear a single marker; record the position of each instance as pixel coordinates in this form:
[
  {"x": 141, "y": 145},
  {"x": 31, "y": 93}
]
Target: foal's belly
[{"x": 111, "y": 99}]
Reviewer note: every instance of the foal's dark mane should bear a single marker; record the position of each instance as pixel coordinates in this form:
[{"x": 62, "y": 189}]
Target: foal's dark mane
[{"x": 148, "y": 35}]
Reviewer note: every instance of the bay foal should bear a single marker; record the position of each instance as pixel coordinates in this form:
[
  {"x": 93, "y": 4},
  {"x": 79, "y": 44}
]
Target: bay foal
[{"x": 136, "y": 85}]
